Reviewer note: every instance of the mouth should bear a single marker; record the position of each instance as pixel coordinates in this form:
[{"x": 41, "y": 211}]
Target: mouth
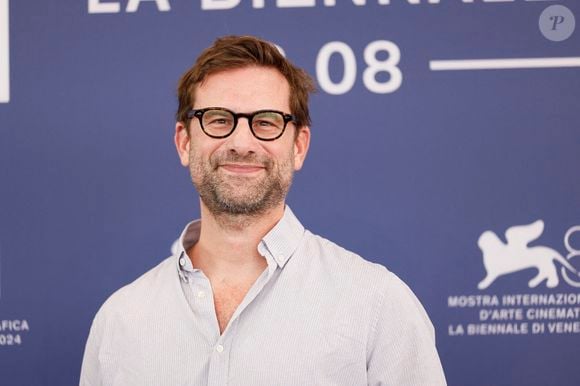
[{"x": 241, "y": 168}]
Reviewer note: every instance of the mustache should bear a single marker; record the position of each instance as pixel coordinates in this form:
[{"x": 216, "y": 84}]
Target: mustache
[{"x": 249, "y": 159}]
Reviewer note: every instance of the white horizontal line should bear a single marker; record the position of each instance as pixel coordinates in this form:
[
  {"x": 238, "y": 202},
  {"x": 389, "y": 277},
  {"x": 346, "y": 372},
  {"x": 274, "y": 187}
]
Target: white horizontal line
[
  {"x": 4, "y": 60},
  {"x": 500, "y": 64}
]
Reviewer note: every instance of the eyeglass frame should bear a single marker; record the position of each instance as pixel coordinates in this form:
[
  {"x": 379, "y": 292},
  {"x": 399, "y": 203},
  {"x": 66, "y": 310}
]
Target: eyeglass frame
[{"x": 198, "y": 113}]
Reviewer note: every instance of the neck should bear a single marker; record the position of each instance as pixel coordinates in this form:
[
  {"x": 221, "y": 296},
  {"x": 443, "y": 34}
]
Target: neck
[{"x": 228, "y": 244}]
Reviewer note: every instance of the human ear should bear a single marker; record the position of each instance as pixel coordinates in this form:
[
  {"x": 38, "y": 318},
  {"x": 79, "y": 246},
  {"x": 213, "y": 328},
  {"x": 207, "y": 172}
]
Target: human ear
[
  {"x": 182, "y": 143},
  {"x": 301, "y": 144}
]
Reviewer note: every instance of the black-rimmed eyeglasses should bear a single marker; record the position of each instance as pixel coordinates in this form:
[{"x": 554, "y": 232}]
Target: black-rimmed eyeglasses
[{"x": 219, "y": 122}]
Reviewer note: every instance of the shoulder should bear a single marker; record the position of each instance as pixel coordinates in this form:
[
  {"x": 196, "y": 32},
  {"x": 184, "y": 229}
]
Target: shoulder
[
  {"x": 362, "y": 283},
  {"x": 128, "y": 320},
  {"x": 143, "y": 294},
  {"x": 383, "y": 290},
  {"x": 342, "y": 262}
]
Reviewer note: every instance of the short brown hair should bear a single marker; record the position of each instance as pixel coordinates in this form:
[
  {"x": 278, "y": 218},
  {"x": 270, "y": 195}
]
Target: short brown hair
[{"x": 230, "y": 52}]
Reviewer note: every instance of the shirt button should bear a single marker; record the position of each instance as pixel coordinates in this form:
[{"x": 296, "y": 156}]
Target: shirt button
[
  {"x": 181, "y": 261},
  {"x": 219, "y": 348},
  {"x": 201, "y": 294}
]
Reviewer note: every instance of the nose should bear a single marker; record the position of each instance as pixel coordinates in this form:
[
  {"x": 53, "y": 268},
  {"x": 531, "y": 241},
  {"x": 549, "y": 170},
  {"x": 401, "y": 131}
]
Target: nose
[{"x": 242, "y": 141}]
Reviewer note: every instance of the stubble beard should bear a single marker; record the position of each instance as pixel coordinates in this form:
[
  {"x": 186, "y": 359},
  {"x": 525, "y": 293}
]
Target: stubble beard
[{"x": 240, "y": 198}]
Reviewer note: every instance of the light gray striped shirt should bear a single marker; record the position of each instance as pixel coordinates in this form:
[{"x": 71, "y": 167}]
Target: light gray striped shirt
[{"x": 318, "y": 315}]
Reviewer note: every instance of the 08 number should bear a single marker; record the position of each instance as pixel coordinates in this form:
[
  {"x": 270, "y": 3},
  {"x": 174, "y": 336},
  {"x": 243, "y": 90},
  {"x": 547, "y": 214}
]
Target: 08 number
[{"x": 374, "y": 67}]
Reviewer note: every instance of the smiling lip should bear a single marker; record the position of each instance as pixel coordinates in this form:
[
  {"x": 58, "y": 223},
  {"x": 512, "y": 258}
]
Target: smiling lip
[{"x": 242, "y": 168}]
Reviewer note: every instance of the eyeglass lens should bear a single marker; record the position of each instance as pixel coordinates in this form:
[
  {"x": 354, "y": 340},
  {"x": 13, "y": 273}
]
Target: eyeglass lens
[{"x": 266, "y": 124}]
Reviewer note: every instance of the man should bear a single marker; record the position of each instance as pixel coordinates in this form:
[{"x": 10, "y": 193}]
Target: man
[{"x": 250, "y": 297}]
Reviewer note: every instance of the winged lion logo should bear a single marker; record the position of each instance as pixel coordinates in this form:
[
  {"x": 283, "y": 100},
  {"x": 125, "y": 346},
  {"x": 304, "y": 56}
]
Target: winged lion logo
[{"x": 501, "y": 258}]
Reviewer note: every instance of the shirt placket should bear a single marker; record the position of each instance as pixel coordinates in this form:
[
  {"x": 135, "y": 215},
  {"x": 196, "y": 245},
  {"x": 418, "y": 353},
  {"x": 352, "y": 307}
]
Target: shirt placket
[
  {"x": 203, "y": 306},
  {"x": 219, "y": 361},
  {"x": 220, "y": 356}
]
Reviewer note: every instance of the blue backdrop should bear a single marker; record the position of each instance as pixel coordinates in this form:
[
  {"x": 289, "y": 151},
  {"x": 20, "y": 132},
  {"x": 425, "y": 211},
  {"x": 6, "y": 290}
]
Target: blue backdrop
[{"x": 418, "y": 148}]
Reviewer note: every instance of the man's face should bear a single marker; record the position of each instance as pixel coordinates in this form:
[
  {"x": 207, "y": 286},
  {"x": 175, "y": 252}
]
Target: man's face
[{"x": 241, "y": 174}]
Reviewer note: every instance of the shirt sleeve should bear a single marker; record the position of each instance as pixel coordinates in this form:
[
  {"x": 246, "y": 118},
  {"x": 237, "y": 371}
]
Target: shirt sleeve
[
  {"x": 90, "y": 369},
  {"x": 401, "y": 347}
]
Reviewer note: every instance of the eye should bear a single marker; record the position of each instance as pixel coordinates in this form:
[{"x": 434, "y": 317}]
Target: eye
[
  {"x": 268, "y": 120},
  {"x": 217, "y": 118},
  {"x": 219, "y": 121},
  {"x": 264, "y": 123}
]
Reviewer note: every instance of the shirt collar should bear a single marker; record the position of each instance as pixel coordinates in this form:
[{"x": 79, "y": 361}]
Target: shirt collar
[
  {"x": 283, "y": 239},
  {"x": 280, "y": 242},
  {"x": 188, "y": 237}
]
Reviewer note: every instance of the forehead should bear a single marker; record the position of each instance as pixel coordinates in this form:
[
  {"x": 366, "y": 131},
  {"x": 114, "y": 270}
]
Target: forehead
[{"x": 244, "y": 89}]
